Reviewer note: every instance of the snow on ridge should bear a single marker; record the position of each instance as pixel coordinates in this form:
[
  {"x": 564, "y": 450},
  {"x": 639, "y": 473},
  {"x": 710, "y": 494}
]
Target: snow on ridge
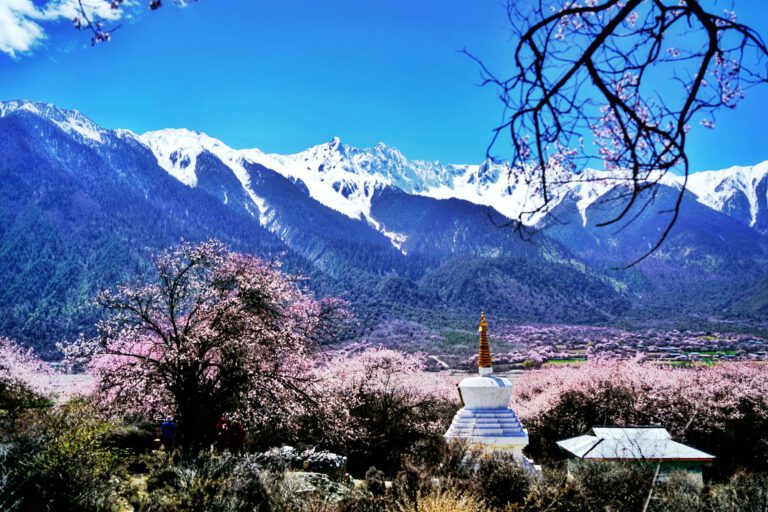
[
  {"x": 82, "y": 126},
  {"x": 397, "y": 239},
  {"x": 715, "y": 188},
  {"x": 177, "y": 151},
  {"x": 486, "y": 184},
  {"x": 70, "y": 121},
  {"x": 495, "y": 186},
  {"x": 345, "y": 178},
  {"x": 330, "y": 175},
  {"x": 6, "y": 107}
]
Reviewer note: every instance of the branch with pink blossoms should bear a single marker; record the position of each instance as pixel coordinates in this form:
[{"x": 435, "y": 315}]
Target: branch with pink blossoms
[{"x": 593, "y": 69}]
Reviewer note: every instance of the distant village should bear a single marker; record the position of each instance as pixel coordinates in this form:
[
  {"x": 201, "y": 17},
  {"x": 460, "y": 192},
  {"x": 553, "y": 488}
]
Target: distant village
[{"x": 532, "y": 346}]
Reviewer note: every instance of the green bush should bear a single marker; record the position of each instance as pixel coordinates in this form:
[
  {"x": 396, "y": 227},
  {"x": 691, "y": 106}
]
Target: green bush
[
  {"x": 679, "y": 493},
  {"x": 60, "y": 460},
  {"x": 500, "y": 480},
  {"x": 744, "y": 492},
  {"x": 375, "y": 481},
  {"x": 208, "y": 483},
  {"x": 614, "y": 485}
]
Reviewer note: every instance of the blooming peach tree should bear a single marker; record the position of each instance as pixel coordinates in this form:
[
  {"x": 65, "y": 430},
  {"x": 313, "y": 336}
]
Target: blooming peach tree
[
  {"x": 378, "y": 405},
  {"x": 212, "y": 332}
]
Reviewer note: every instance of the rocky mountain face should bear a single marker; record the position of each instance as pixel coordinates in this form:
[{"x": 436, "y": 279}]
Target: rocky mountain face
[{"x": 82, "y": 208}]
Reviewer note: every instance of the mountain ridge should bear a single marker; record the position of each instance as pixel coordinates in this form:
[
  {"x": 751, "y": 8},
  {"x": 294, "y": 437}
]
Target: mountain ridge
[
  {"x": 344, "y": 177},
  {"x": 82, "y": 207}
]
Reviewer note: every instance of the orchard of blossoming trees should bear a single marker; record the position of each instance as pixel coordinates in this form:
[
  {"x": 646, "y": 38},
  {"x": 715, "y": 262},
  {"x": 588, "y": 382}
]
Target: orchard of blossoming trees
[
  {"x": 217, "y": 339},
  {"x": 214, "y": 333},
  {"x": 525, "y": 346},
  {"x": 24, "y": 379},
  {"x": 721, "y": 409}
]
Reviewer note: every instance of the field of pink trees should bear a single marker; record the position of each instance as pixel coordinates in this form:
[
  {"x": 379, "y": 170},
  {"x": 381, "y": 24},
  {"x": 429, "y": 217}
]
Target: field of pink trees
[
  {"x": 233, "y": 355},
  {"x": 721, "y": 409}
]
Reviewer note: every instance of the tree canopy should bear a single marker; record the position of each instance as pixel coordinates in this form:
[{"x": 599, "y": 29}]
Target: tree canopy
[{"x": 210, "y": 333}]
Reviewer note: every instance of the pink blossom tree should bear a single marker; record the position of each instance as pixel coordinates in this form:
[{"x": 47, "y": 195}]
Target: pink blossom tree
[
  {"x": 212, "y": 332},
  {"x": 24, "y": 378},
  {"x": 379, "y": 405}
]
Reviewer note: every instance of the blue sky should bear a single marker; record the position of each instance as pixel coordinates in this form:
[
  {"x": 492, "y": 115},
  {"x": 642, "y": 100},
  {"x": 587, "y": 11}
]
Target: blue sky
[{"x": 285, "y": 75}]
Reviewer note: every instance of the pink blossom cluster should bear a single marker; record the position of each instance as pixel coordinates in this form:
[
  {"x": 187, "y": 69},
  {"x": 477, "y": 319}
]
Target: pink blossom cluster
[
  {"x": 382, "y": 369},
  {"x": 703, "y": 399},
  {"x": 588, "y": 67},
  {"x": 22, "y": 372},
  {"x": 348, "y": 378}
]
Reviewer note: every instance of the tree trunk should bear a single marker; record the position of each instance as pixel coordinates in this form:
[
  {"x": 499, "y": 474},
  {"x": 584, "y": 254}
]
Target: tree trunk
[{"x": 196, "y": 419}]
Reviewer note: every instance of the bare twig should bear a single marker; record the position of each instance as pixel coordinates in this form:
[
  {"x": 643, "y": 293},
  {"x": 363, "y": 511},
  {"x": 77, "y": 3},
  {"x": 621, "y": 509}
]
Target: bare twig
[{"x": 590, "y": 69}]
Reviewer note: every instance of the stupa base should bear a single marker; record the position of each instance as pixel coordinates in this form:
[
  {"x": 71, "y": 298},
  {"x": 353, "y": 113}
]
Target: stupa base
[{"x": 511, "y": 445}]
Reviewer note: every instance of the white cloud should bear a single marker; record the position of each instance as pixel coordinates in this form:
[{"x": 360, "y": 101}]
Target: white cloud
[
  {"x": 21, "y": 22},
  {"x": 18, "y": 32}
]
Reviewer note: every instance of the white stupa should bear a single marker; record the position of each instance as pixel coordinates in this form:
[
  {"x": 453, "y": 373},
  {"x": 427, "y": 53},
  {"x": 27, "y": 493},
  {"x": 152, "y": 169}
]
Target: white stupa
[{"x": 486, "y": 420}]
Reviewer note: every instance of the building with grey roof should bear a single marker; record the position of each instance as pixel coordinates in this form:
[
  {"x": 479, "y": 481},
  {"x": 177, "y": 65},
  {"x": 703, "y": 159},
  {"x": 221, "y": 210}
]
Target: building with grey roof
[{"x": 651, "y": 444}]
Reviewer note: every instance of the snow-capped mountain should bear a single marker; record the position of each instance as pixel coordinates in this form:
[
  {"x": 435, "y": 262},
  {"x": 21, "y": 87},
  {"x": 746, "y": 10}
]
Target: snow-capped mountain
[
  {"x": 740, "y": 192},
  {"x": 346, "y": 178},
  {"x": 70, "y": 121},
  {"x": 82, "y": 207},
  {"x": 177, "y": 152}
]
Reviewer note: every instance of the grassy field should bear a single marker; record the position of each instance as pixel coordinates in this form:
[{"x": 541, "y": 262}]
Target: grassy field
[
  {"x": 575, "y": 361},
  {"x": 700, "y": 362},
  {"x": 713, "y": 352}
]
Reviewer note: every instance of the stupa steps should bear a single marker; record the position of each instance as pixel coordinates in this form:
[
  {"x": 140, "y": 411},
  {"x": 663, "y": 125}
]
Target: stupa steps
[
  {"x": 484, "y": 433},
  {"x": 487, "y": 413},
  {"x": 489, "y": 422},
  {"x": 485, "y": 421},
  {"x": 487, "y": 426},
  {"x": 498, "y": 422}
]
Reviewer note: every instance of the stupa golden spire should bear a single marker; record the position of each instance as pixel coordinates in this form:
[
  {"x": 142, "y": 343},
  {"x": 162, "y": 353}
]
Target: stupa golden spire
[{"x": 484, "y": 361}]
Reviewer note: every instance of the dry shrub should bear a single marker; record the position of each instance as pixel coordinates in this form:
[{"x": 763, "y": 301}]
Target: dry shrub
[{"x": 447, "y": 501}]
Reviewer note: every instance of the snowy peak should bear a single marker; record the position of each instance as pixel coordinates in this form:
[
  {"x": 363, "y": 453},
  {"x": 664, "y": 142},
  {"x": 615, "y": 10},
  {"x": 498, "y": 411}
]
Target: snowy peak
[
  {"x": 177, "y": 151},
  {"x": 346, "y": 178},
  {"x": 741, "y": 192},
  {"x": 333, "y": 173},
  {"x": 70, "y": 121}
]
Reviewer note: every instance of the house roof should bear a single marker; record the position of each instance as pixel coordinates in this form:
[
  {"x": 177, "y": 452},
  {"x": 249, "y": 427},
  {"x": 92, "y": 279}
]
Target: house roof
[{"x": 631, "y": 443}]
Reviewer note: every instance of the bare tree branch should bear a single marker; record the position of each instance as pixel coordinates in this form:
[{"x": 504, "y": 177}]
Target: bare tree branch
[{"x": 593, "y": 70}]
